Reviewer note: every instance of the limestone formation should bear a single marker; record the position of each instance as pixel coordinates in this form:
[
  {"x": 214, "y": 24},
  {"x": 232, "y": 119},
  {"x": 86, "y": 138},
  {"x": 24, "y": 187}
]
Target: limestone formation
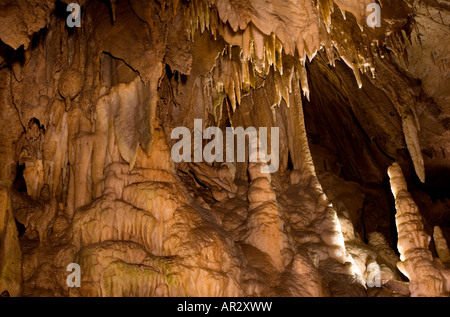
[
  {"x": 10, "y": 264},
  {"x": 441, "y": 245},
  {"x": 312, "y": 101},
  {"x": 416, "y": 259}
]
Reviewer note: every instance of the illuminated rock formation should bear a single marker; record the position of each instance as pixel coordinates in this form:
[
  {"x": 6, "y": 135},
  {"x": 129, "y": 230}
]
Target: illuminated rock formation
[
  {"x": 441, "y": 245},
  {"x": 88, "y": 175},
  {"x": 11, "y": 255},
  {"x": 416, "y": 260}
]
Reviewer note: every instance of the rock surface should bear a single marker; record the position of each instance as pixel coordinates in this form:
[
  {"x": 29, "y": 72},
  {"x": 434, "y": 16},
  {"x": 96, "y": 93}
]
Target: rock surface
[{"x": 88, "y": 174}]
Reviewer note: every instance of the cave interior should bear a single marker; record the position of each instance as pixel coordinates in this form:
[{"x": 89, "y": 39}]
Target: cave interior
[{"x": 91, "y": 92}]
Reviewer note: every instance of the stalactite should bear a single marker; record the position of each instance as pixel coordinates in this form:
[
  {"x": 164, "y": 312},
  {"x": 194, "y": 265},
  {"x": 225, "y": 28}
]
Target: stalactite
[
  {"x": 304, "y": 171},
  {"x": 411, "y": 133}
]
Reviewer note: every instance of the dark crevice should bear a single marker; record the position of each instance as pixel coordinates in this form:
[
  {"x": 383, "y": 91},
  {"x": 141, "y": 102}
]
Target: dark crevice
[
  {"x": 19, "y": 183},
  {"x": 20, "y": 228},
  {"x": 290, "y": 165}
]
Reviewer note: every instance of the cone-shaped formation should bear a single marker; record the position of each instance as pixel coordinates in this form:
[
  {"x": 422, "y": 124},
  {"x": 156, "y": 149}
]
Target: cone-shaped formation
[{"x": 416, "y": 259}]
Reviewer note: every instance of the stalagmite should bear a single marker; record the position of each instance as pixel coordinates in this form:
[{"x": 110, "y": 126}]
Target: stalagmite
[
  {"x": 264, "y": 227},
  {"x": 11, "y": 255},
  {"x": 416, "y": 260},
  {"x": 441, "y": 245},
  {"x": 378, "y": 241}
]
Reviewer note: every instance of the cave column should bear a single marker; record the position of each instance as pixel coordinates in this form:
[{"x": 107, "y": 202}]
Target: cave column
[
  {"x": 265, "y": 228},
  {"x": 305, "y": 173}
]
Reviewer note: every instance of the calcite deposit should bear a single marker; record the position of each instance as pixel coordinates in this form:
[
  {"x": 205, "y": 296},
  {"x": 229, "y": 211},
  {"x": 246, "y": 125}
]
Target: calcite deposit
[{"x": 335, "y": 182}]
